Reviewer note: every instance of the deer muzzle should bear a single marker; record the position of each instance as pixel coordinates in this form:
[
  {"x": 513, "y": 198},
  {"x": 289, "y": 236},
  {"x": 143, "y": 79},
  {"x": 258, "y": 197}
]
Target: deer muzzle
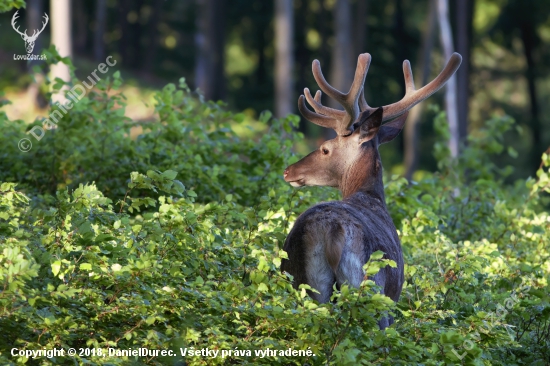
[{"x": 291, "y": 177}]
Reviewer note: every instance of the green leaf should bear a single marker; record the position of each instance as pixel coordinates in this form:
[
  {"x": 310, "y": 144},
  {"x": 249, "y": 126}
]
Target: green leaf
[
  {"x": 376, "y": 255},
  {"x": 170, "y": 174},
  {"x": 262, "y": 287},
  {"x": 56, "y": 266}
]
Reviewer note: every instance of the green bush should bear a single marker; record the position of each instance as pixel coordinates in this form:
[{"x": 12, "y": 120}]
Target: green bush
[{"x": 172, "y": 241}]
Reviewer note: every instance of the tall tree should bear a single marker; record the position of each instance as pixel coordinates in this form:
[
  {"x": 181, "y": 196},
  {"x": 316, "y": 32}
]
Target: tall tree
[
  {"x": 35, "y": 13},
  {"x": 152, "y": 38},
  {"x": 401, "y": 53},
  {"x": 100, "y": 25},
  {"x": 464, "y": 17},
  {"x": 528, "y": 15},
  {"x": 324, "y": 26},
  {"x": 360, "y": 27},
  {"x": 524, "y": 18},
  {"x": 528, "y": 38},
  {"x": 446, "y": 36},
  {"x": 125, "y": 45},
  {"x": 136, "y": 33},
  {"x": 210, "y": 40},
  {"x": 34, "y": 19},
  {"x": 60, "y": 11},
  {"x": 261, "y": 44},
  {"x": 342, "y": 65},
  {"x": 410, "y": 134},
  {"x": 284, "y": 57},
  {"x": 80, "y": 19},
  {"x": 303, "y": 55}
]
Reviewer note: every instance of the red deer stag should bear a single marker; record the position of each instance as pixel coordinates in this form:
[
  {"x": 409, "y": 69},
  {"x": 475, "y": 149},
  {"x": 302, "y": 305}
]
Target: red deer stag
[{"x": 331, "y": 241}]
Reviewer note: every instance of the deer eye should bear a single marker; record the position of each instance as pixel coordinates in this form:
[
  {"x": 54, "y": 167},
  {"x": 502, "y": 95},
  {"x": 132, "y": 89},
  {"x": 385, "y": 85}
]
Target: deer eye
[{"x": 324, "y": 151}]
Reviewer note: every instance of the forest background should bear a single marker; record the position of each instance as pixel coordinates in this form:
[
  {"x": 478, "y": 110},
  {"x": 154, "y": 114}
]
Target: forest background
[{"x": 256, "y": 55}]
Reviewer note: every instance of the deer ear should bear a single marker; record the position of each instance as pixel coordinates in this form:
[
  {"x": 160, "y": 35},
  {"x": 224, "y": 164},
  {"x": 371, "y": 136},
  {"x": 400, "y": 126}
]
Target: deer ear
[
  {"x": 390, "y": 130},
  {"x": 369, "y": 124}
]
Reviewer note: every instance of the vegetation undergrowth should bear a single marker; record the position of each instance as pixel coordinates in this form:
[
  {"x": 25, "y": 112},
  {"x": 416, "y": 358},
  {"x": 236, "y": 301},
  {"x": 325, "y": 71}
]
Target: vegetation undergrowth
[{"x": 172, "y": 241}]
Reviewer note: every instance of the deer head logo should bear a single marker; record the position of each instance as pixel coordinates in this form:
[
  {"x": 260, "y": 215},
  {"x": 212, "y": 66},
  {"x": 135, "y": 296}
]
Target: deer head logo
[{"x": 29, "y": 40}]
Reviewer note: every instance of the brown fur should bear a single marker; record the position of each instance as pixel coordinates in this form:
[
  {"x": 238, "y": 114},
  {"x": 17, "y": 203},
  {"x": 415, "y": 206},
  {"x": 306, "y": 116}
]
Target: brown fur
[{"x": 331, "y": 241}]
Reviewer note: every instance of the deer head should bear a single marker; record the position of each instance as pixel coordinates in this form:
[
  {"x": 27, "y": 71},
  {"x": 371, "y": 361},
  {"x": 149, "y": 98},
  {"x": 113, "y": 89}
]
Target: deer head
[
  {"x": 351, "y": 160},
  {"x": 29, "y": 40}
]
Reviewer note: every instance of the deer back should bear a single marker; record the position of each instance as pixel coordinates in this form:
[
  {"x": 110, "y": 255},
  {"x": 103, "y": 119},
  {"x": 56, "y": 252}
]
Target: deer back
[{"x": 331, "y": 241}]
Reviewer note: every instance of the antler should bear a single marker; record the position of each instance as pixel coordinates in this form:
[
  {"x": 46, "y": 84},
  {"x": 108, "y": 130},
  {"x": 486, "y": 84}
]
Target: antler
[
  {"x": 354, "y": 101},
  {"x": 340, "y": 121},
  {"x": 15, "y": 16},
  {"x": 43, "y": 23},
  {"x": 34, "y": 34},
  {"x": 412, "y": 96}
]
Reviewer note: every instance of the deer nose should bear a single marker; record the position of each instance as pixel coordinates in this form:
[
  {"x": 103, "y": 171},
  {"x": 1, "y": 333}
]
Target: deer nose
[{"x": 285, "y": 173}]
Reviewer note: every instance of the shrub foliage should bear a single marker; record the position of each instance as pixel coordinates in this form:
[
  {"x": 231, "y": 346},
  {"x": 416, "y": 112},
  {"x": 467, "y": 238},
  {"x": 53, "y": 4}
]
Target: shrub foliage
[{"x": 172, "y": 241}]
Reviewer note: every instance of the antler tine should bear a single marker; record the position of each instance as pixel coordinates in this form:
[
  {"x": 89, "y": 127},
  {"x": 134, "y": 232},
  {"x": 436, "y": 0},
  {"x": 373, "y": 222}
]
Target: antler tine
[
  {"x": 37, "y": 32},
  {"x": 316, "y": 118},
  {"x": 409, "y": 79},
  {"x": 13, "y": 19},
  {"x": 363, "y": 63},
  {"x": 45, "y": 22},
  {"x": 341, "y": 121},
  {"x": 318, "y": 95},
  {"x": 413, "y": 97},
  {"x": 319, "y": 108}
]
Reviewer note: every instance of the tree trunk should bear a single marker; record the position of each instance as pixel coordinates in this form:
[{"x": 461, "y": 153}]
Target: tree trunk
[
  {"x": 80, "y": 31},
  {"x": 124, "y": 44},
  {"x": 360, "y": 27},
  {"x": 203, "y": 48},
  {"x": 464, "y": 15},
  {"x": 324, "y": 31},
  {"x": 261, "y": 43},
  {"x": 342, "y": 67},
  {"x": 209, "y": 40},
  {"x": 34, "y": 19},
  {"x": 446, "y": 36},
  {"x": 218, "y": 40},
  {"x": 101, "y": 22},
  {"x": 303, "y": 55},
  {"x": 400, "y": 37},
  {"x": 401, "y": 54},
  {"x": 528, "y": 40},
  {"x": 153, "y": 39},
  {"x": 410, "y": 134},
  {"x": 61, "y": 37},
  {"x": 284, "y": 60},
  {"x": 135, "y": 35}
]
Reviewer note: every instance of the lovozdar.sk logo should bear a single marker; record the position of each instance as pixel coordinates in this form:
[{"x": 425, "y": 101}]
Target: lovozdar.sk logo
[{"x": 29, "y": 40}]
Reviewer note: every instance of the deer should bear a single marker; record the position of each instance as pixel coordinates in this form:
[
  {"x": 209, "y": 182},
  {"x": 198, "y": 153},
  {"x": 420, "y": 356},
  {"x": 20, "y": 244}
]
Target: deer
[
  {"x": 331, "y": 242},
  {"x": 29, "y": 40}
]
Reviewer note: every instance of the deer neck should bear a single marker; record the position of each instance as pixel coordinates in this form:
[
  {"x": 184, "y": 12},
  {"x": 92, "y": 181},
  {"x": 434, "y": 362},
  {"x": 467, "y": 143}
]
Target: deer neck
[{"x": 364, "y": 175}]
